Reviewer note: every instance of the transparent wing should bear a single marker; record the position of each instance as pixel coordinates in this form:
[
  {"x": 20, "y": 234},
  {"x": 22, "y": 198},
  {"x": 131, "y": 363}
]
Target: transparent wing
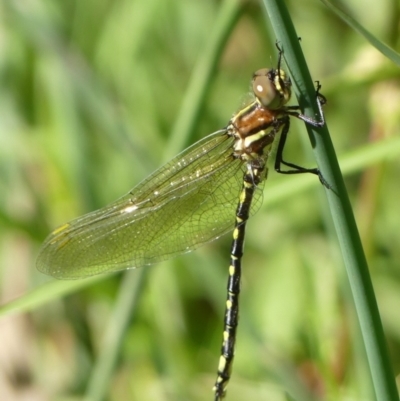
[{"x": 187, "y": 202}]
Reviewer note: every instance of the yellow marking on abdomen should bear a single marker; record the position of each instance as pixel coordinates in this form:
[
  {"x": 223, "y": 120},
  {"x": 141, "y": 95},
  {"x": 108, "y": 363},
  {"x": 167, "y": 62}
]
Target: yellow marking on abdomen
[
  {"x": 242, "y": 196},
  {"x": 221, "y": 365},
  {"x": 226, "y": 336}
]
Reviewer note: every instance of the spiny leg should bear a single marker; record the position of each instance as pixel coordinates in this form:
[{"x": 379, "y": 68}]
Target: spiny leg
[
  {"x": 295, "y": 168},
  {"x": 292, "y": 111},
  {"x": 321, "y": 100},
  {"x": 250, "y": 181}
]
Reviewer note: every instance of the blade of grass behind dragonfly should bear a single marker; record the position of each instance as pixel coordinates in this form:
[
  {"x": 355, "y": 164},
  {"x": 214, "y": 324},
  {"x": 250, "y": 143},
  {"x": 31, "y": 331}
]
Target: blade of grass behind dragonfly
[
  {"x": 346, "y": 17},
  {"x": 131, "y": 283},
  {"x": 342, "y": 215},
  {"x": 201, "y": 78}
]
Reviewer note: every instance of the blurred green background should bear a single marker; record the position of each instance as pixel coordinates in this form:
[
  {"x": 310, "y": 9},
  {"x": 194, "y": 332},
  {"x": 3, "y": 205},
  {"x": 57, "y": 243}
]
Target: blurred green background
[{"x": 91, "y": 92}]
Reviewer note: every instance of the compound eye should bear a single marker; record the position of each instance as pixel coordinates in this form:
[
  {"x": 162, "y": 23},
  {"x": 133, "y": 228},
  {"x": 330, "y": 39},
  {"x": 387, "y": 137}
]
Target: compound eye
[{"x": 264, "y": 88}]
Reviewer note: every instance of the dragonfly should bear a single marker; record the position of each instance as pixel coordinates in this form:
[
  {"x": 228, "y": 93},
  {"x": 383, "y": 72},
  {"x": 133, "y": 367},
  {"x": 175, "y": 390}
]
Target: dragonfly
[{"x": 209, "y": 189}]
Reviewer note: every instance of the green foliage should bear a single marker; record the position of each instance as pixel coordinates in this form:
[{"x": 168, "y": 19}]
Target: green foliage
[{"x": 94, "y": 96}]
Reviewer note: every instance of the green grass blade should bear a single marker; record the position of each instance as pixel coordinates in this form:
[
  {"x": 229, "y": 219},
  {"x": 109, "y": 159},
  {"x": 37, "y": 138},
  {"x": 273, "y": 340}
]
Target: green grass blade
[
  {"x": 379, "y": 45},
  {"x": 344, "y": 222},
  {"x": 125, "y": 305},
  {"x": 48, "y": 292},
  {"x": 201, "y": 78}
]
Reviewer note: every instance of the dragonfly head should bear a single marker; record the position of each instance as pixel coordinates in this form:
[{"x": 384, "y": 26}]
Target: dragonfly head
[{"x": 271, "y": 87}]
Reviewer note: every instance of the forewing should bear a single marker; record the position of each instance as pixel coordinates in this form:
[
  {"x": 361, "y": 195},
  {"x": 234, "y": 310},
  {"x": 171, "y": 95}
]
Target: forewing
[{"x": 189, "y": 201}]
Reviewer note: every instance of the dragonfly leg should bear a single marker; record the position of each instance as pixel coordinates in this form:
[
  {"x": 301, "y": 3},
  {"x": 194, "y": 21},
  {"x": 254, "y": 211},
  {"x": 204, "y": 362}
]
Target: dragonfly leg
[
  {"x": 295, "y": 169},
  {"x": 321, "y": 100}
]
